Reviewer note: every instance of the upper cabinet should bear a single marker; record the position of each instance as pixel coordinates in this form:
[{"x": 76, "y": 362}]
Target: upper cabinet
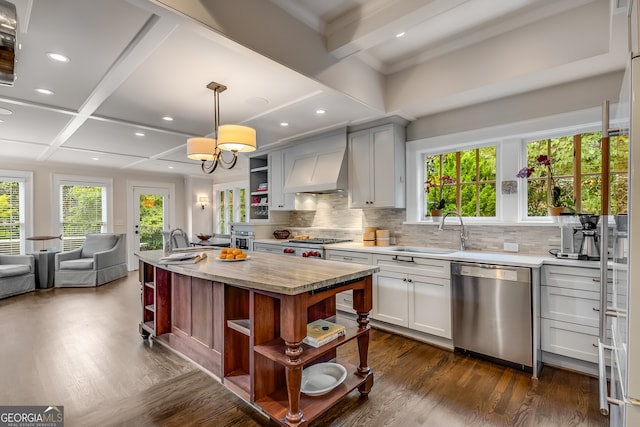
[
  {"x": 377, "y": 167},
  {"x": 279, "y": 200}
]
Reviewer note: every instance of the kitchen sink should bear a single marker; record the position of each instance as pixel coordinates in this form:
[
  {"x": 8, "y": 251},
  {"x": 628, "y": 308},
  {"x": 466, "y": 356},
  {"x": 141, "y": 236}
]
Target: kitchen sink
[{"x": 424, "y": 250}]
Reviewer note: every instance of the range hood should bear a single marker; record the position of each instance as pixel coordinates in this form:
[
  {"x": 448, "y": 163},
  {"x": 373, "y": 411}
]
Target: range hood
[{"x": 318, "y": 165}]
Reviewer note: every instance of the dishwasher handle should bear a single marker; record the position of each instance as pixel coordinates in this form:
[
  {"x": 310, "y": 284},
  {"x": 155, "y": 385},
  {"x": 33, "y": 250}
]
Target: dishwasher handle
[{"x": 490, "y": 271}]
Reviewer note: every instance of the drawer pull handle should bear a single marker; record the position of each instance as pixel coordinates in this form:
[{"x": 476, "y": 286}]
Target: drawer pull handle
[
  {"x": 595, "y": 309},
  {"x": 347, "y": 258},
  {"x": 348, "y": 301}
]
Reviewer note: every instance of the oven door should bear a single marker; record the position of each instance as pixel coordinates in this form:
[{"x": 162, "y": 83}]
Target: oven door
[{"x": 242, "y": 242}]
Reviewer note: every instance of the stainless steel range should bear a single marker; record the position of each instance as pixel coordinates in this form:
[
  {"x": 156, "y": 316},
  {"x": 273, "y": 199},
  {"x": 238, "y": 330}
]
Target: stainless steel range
[{"x": 309, "y": 248}]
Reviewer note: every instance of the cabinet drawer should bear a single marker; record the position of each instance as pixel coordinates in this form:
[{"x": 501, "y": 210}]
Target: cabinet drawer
[
  {"x": 586, "y": 279},
  {"x": 414, "y": 265},
  {"x": 348, "y": 256},
  {"x": 570, "y": 305},
  {"x": 265, "y": 247},
  {"x": 344, "y": 301},
  {"x": 569, "y": 339}
]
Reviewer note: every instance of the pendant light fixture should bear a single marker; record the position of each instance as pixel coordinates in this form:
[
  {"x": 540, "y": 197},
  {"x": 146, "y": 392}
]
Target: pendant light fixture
[{"x": 235, "y": 138}]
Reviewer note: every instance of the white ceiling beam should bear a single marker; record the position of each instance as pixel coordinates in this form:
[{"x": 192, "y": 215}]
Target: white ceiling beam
[
  {"x": 361, "y": 29},
  {"x": 270, "y": 31},
  {"x": 150, "y": 36}
]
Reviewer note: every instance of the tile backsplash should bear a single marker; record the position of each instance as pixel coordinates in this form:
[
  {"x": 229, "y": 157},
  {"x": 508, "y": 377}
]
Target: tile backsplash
[{"x": 333, "y": 218}]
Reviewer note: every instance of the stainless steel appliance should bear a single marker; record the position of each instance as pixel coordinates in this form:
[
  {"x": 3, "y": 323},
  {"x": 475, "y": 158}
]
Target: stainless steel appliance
[
  {"x": 620, "y": 298},
  {"x": 242, "y": 239},
  {"x": 492, "y": 312},
  {"x": 589, "y": 248},
  {"x": 309, "y": 248}
]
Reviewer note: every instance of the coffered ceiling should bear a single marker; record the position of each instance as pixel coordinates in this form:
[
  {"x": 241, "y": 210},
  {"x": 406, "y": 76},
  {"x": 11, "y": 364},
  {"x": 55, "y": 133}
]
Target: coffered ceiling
[{"x": 133, "y": 62}]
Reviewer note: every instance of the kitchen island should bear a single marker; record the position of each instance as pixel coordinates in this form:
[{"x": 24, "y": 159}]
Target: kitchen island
[{"x": 244, "y": 322}]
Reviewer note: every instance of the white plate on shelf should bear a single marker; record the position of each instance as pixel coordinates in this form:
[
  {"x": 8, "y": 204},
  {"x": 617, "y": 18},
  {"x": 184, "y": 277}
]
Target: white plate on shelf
[
  {"x": 321, "y": 378},
  {"x": 233, "y": 260}
]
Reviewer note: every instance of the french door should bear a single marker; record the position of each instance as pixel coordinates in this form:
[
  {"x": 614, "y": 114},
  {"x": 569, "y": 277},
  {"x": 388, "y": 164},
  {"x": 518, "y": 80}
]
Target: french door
[{"x": 151, "y": 207}]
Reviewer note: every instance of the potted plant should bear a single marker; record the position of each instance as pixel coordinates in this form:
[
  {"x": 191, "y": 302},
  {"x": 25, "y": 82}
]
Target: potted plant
[
  {"x": 556, "y": 199},
  {"x": 438, "y": 205}
]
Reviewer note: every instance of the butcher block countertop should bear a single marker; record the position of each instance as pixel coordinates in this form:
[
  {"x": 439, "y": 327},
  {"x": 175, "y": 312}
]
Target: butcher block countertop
[{"x": 268, "y": 272}]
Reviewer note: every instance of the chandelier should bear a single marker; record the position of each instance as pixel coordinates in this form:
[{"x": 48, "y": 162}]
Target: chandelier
[{"x": 234, "y": 138}]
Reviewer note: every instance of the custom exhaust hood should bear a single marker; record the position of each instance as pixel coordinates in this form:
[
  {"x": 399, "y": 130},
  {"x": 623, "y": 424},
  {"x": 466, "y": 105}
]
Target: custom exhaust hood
[
  {"x": 319, "y": 166},
  {"x": 8, "y": 43}
]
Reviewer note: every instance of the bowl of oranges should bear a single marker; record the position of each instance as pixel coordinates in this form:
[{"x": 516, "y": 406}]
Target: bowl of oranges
[{"x": 232, "y": 254}]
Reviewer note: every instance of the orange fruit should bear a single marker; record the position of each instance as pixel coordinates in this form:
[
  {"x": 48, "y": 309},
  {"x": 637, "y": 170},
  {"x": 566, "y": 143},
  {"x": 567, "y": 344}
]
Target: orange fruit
[
  {"x": 237, "y": 251},
  {"x": 223, "y": 255},
  {"x": 230, "y": 256},
  {"x": 223, "y": 251}
]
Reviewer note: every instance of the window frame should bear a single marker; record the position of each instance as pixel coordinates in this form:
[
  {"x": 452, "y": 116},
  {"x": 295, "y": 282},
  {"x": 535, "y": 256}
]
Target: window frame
[
  {"x": 25, "y": 181},
  {"x": 77, "y": 180},
  {"x": 423, "y": 154}
]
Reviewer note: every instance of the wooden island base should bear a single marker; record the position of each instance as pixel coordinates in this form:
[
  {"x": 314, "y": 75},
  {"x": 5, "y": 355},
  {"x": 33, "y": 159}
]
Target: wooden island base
[{"x": 251, "y": 339}]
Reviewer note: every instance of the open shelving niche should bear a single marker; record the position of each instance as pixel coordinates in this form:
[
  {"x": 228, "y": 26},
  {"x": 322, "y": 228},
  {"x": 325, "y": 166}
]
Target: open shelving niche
[
  {"x": 258, "y": 174},
  {"x": 155, "y": 299},
  {"x": 254, "y": 350}
]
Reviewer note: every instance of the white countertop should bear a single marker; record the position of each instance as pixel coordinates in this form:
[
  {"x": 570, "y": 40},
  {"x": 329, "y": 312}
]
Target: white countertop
[{"x": 501, "y": 258}]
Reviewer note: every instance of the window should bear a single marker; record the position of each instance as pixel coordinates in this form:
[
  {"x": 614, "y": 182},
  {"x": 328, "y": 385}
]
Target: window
[
  {"x": 11, "y": 216},
  {"x": 576, "y": 159},
  {"x": 16, "y": 190},
  {"x": 231, "y": 206},
  {"x": 83, "y": 209},
  {"x": 463, "y": 181}
]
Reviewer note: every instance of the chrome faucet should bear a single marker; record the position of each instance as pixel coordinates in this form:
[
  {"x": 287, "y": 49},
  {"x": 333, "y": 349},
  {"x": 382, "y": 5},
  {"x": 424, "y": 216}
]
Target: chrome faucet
[{"x": 463, "y": 232}]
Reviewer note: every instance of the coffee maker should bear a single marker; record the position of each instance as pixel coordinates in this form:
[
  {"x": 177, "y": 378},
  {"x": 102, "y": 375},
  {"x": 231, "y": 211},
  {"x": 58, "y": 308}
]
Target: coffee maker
[
  {"x": 569, "y": 226},
  {"x": 589, "y": 248}
]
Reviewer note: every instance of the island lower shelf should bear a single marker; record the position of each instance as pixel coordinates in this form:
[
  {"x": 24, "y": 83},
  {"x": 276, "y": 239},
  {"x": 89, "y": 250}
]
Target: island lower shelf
[{"x": 276, "y": 404}]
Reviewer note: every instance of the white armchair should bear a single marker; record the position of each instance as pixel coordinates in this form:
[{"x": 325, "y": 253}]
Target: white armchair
[
  {"x": 101, "y": 259},
  {"x": 17, "y": 275}
]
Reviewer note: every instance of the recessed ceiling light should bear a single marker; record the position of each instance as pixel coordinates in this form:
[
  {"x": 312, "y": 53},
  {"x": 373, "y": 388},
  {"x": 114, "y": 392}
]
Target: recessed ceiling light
[
  {"x": 44, "y": 91},
  {"x": 5, "y": 111},
  {"x": 400, "y": 34},
  {"x": 57, "y": 57},
  {"x": 170, "y": 167},
  {"x": 95, "y": 158},
  {"x": 1, "y": 121},
  {"x": 284, "y": 124},
  {"x": 139, "y": 134},
  {"x": 320, "y": 111},
  {"x": 167, "y": 118}
]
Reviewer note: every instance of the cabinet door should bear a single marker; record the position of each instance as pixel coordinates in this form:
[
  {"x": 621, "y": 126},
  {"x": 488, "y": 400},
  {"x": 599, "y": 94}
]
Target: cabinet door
[
  {"x": 360, "y": 176},
  {"x": 383, "y": 176},
  {"x": 391, "y": 298},
  {"x": 278, "y": 200},
  {"x": 430, "y": 305}
]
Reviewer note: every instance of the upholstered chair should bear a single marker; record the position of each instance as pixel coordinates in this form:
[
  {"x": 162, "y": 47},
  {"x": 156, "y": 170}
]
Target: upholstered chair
[
  {"x": 101, "y": 259},
  {"x": 17, "y": 274}
]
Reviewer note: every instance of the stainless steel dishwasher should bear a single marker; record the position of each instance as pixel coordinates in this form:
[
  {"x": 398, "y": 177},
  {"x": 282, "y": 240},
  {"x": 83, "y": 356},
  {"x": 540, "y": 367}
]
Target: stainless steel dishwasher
[{"x": 492, "y": 314}]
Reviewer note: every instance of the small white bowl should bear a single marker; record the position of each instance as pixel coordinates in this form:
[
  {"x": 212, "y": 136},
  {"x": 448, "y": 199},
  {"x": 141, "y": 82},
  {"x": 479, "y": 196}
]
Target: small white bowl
[{"x": 321, "y": 378}]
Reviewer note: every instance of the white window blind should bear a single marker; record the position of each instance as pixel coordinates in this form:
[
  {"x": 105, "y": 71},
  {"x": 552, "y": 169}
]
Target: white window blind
[
  {"x": 82, "y": 212},
  {"x": 11, "y": 217}
]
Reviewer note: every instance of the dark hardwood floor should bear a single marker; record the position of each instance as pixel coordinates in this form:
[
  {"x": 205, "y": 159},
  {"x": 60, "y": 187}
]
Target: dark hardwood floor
[{"x": 80, "y": 348}]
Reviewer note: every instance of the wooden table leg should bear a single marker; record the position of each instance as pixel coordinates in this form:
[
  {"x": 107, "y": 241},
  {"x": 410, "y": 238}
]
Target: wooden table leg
[
  {"x": 293, "y": 373},
  {"x": 363, "y": 344}
]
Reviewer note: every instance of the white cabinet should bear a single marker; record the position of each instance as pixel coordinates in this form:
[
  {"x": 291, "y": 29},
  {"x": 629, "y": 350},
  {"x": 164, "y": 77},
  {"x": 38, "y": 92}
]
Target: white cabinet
[
  {"x": 344, "y": 300},
  {"x": 569, "y": 311},
  {"x": 414, "y": 293},
  {"x": 278, "y": 169},
  {"x": 377, "y": 167}
]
